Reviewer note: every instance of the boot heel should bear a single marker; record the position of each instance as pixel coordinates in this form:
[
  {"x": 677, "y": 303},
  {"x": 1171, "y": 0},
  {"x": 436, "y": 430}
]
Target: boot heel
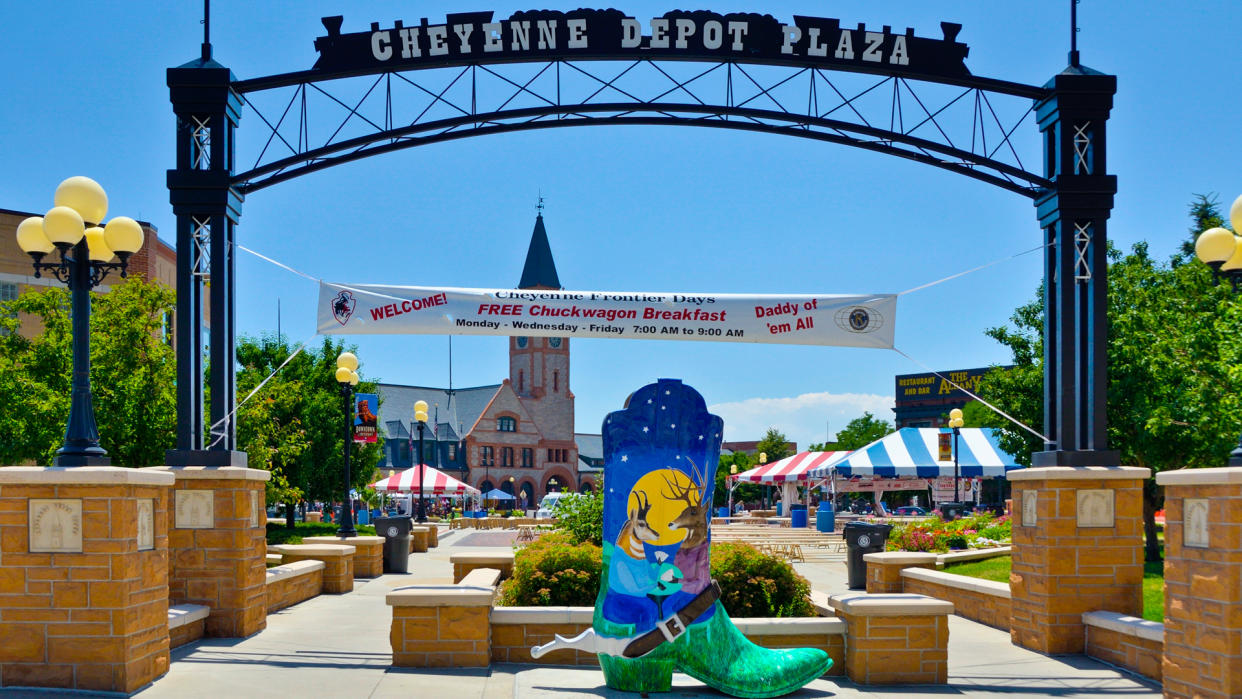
[{"x": 638, "y": 674}]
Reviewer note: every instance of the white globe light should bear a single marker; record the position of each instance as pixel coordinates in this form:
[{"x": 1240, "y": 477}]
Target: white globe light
[
  {"x": 347, "y": 360},
  {"x": 1235, "y": 214},
  {"x": 83, "y": 195},
  {"x": 31, "y": 238},
  {"x": 1215, "y": 245}
]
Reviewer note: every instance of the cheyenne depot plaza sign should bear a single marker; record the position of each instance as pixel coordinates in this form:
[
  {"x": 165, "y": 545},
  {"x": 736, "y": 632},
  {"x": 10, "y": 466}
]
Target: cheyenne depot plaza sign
[
  {"x": 824, "y": 319},
  {"x": 602, "y": 34}
]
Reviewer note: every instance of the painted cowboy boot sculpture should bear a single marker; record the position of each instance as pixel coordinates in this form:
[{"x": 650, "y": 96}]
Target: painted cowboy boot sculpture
[{"x": 658, "y": 609}]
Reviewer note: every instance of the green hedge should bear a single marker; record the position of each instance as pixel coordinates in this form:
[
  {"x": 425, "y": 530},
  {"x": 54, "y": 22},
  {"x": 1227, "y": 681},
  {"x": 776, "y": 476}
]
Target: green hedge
[
  {"x": 278, "y": 533},
  {"x": 554, "y": 571}
]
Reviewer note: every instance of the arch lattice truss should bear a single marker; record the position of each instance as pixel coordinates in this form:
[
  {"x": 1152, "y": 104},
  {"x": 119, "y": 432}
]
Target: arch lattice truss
[{"x": 980, "y": 128}]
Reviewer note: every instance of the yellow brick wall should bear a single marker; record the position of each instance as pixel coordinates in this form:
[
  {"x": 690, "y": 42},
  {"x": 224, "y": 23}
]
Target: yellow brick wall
[
  {"x": 1139, "y": 655},
  {"x": 223, "y": 567},
  {"x": 1061, "y": 570},
  {"x": 338, "y": 571},
  {"x": 287, "y": 591},
  {"x": 440, "y": 636},
  {"x": 186, "y": 633},
  {"x": 1202, "y": 614},
  {"x": 976, "y": 606},
  {"x": 897, "y": 650},
  {"x": 96, "y": 620}
]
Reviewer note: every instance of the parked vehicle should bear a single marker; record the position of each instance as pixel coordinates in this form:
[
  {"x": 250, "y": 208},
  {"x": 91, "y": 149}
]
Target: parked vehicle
[
  {"x": 910, "y": 511},
  {"x": 549, "y": 503}
]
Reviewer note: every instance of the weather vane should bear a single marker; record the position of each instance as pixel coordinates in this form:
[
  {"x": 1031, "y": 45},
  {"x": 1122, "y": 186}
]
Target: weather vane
[{"x": 539, "y": 206}]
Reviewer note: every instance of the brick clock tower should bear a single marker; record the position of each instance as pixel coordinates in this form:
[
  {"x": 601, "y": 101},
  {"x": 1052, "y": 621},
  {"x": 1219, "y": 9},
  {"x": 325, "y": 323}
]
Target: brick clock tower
[{"x": 539, "y": 374}]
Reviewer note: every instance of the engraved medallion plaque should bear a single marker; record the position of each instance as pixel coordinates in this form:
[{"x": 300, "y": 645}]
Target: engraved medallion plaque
[
  {"x": 255, "y": 521},
  {"x": 1095, "y": 508},
  {"x": 1028, "y": 507},
  {"x": 196, "y": 509},
  {"x": 55, "y": 526},
  {"x": 1195, "y": 522}
]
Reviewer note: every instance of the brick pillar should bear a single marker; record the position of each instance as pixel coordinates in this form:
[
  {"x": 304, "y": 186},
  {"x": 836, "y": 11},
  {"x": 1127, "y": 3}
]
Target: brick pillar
[
  {"x": 1202, "y": 582},
  {"x": 884, "y": 569},
  {"x": 216, "y": 544},
  {"x": 895, "y": 638},
  {"x": 441, "y": 627},
  {"x": 1077, "y": 547},
  {"x": 83, "y": 577}
]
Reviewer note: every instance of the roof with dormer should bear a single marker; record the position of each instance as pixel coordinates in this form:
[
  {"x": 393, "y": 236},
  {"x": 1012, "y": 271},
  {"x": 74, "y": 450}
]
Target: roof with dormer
[{"x": 539, "y": 272}]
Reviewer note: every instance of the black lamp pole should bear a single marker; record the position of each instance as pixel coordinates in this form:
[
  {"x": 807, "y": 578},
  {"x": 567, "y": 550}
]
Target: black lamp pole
[
  {"x": 957, "y": 496},
  {"x": 347, "y": 509},
  {"x": 77, "y": 271},
  {"x": 422, "y": 509}
]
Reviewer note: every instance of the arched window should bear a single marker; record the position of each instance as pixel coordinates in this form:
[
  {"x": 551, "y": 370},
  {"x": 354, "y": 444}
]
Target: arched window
[
  {"x": 506, "y": 424},
  {"x": 521, "y": 381},
  {"x": 556, "y": 381}
]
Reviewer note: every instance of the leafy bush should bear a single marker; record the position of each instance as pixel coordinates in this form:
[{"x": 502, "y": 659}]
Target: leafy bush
[
  {"x": 582, "y": 516},
  {"x": 554, "y": 571},
  {"x": 934, "y": 534},
  {"x": 278, "y": 533},
  {"x": 755, "y": 584}
]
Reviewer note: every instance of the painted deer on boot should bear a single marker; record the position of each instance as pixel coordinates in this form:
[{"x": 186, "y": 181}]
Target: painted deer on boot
[{"x": 694, "y": 520}]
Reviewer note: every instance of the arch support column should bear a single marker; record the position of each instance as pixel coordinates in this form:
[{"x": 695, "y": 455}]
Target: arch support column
[
  {"x": 207, "y": 208},
  {"x": 1073, "y": 214}
]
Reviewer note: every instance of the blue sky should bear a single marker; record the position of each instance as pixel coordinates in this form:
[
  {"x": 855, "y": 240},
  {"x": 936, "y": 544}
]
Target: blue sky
[{"x": 638, "y": 208}]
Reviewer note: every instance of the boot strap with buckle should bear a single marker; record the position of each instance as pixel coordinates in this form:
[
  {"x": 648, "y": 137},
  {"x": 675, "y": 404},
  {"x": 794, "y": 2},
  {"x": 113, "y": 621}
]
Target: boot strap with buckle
[{"x": 670, "y": 629}]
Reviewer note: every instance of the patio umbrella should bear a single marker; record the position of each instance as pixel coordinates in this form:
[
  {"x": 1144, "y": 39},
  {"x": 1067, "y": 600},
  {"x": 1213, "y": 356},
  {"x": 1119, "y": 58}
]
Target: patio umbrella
[{"x": 497, "y": 494}]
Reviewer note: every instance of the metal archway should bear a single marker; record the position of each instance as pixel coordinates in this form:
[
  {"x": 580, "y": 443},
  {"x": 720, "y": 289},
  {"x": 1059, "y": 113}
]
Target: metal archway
[{"x": 384, "y": 90}]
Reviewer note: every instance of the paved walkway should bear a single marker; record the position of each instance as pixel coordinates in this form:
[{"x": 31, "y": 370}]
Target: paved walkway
[{"x": 337, "y": 646}]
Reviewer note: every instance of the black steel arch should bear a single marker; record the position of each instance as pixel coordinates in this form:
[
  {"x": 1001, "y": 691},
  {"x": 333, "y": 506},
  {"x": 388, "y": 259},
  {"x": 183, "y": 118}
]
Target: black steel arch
[{"x": 1073, "y": 195}]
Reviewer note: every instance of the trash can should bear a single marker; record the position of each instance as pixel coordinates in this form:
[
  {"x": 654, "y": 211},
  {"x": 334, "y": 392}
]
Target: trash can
[
  {"x": 952, "y": 510},
  {"x": 780, "y": 509},
  {"x": 363, "y": 517},
  {"x": 826, "y": 519},
  {"x": 396, "y": 533},
  {"x": 862, "y": 538},
  {"x": 797, "y": 516},
  {"x": 722, "y": 511}
]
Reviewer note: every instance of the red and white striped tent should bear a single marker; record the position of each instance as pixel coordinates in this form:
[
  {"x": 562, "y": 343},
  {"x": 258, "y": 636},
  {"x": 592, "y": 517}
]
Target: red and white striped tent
[
  {"x": 434, "y": 483},
  {"x": 791, "y": 468}
]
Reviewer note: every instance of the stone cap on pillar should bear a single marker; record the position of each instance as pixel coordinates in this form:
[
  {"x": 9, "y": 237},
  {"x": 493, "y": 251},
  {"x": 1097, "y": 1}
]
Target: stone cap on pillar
[
  {"x": 441, "y": 596},
  {"x": 1079, "y": 473},
  {"x": 1201, "y": 476},
  {"x": 349, "y": 540},
  {"x": 326, "y": 550},
  {"x": 221, "y": 473},
  {"x": 82, "y": 475},
  {"x": 897, "y": 604},
  {"x": 901, "y": 558}
]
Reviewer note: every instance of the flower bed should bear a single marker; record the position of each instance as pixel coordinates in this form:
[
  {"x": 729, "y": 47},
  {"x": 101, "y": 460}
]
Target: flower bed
[{"x": 936, "y": 535}]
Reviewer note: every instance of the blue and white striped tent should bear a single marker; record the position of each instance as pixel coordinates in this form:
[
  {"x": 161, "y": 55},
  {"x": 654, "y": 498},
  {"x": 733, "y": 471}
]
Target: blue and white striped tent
[{"x": 911, "y": 451}]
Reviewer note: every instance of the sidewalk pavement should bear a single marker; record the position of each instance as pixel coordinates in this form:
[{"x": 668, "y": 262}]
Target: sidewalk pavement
[{"x": 337, "y": 646}]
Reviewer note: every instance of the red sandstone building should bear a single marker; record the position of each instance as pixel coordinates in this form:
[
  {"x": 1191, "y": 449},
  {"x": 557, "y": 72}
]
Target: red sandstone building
[{"x": 518, "y": 435}]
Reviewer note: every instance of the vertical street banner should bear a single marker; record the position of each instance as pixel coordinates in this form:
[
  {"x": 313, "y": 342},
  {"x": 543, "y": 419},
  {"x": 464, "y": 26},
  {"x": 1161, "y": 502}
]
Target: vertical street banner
[
  {"x": 366, "y": 417},
  {"x": 946, "y": 446},
  {"x": 842, "y": 320}
]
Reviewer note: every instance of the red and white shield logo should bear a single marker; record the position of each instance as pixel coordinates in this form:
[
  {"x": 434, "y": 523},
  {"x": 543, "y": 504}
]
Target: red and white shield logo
[{"x": 343, "y": 306}]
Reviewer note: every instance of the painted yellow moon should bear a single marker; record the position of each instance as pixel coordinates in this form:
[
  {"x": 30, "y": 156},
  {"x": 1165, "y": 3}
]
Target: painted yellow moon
[{"x": 661, "y": 488}]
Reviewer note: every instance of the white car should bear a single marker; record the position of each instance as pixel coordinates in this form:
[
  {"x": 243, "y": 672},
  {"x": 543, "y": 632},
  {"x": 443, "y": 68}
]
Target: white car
[{"x": 547, "y": 506}]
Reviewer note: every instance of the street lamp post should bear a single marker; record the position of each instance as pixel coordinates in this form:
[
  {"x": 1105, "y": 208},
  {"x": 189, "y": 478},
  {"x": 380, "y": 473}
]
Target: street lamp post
[
  {"x": 85, "y": 261},
  {"x": 347, "y": 377},
  {"x": 420, "y": 416},
  {"x": 1221, "y": 250},
  {"x": 956, "y": 422}
]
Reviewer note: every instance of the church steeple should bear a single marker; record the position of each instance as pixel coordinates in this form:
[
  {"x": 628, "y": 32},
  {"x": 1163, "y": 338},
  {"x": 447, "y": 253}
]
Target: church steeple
[{"x": 540, "y": 270}]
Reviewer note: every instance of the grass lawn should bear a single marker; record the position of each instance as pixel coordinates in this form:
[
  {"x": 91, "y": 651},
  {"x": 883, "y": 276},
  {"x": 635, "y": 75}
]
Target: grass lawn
[
  {"x": 278, "y": 533},
  {"x": 998, "y": 569}
]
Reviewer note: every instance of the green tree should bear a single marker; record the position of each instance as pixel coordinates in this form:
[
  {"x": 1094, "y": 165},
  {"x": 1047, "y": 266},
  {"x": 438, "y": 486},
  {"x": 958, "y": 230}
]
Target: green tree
[
  {"x": 743, "y": 492},
  {"x": 133, "y": 374},
  {"x": 775, "y": 444},
  {"x": 862, "y": 431},
  {"x": 1173, "y": 376},
  {"x": 304, "y": 437}
]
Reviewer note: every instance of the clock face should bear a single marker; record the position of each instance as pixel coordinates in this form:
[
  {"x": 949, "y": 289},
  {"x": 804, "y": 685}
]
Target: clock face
[
  {"x": 521, "y": 342},
  {"x": 554, "y": 342}
]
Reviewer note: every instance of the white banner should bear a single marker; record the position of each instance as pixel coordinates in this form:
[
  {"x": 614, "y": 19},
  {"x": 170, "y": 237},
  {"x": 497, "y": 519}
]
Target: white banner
[{"x": 822, "y": 319}]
